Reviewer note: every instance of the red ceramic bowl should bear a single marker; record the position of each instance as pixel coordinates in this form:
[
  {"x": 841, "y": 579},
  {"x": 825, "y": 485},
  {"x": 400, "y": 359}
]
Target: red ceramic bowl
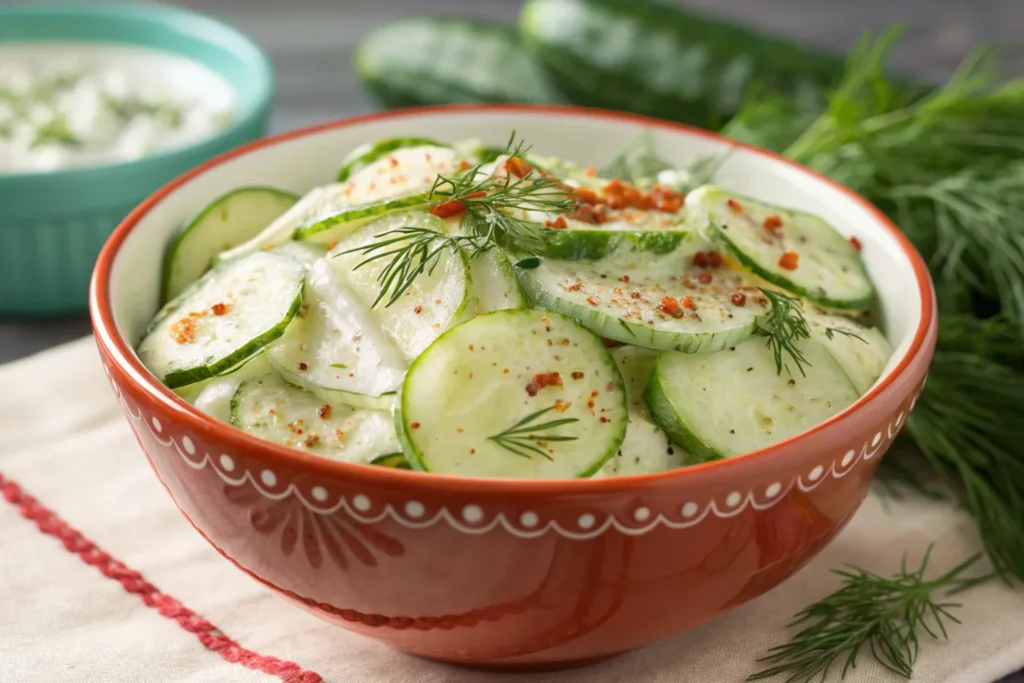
[{"x": 510, "y": 573}]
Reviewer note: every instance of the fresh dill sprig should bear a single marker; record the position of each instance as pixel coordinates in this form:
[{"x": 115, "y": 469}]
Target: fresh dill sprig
[
  {"x": 887, "y": 616},
  {"x": 831, "y": 332},
  {"x": 489, "y": 205},
  {"x": 784, "y": 326},
  {"x": 522, "y": 437}
]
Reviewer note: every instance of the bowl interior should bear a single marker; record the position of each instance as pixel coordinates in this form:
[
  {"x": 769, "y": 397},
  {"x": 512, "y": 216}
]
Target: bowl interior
[{"x": 301, "y": 160}]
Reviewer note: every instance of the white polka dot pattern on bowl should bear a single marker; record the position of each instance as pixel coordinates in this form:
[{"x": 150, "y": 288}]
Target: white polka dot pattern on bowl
[{"x": 474, "y": 517}]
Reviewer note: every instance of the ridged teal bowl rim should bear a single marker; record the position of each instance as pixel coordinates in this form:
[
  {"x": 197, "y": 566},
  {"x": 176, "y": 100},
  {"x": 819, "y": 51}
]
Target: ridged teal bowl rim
[{"x": 71, "y": 196}]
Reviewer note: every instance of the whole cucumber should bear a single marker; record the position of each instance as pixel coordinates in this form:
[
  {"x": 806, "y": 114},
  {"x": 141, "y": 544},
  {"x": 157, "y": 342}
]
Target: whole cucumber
[
  {"x": 441, "y": 60},
  {"x": 662, "y": 61}
]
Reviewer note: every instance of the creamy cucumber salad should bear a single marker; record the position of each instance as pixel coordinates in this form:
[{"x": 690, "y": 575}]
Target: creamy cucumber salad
[
  {"x": 71, "y": 104},
  {"x": 479, "y": 311}
]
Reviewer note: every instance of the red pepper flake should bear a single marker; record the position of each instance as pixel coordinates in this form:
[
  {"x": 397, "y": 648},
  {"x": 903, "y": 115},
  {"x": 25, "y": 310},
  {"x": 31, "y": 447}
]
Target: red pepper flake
[
  {"x": 565, "y": 341},
  {"x": 635, "y": 295},
  {"x": 557, "y": 224},
  {"x": 592, "y": 301},
  {"x": 772, "y": 223},
  {"x": 688, "y": 302},
  {"x": 590, "y": 214},
  {"x": 184, "y": 331},
  {"x": 591, "y": 172},
  {"x": 561, "y": 406},
  {"x": 575, "y": 287},
  {"x": 715, "y": 259},
  {"x": 855, "y": 243},
  {"x": 418, "y": 309},
  {"x": 220, "y": 308},
  {"x": 789, "y": 260},
  {"x": 604, "y": 419},
  {"x": 585, "y": 195},
  {"x": 738, "y": 299},
  {"x": 518, "y": 167},
  {"x": 624, "y": 278},
  {"x": 700, "y": 259},
  {"x": 448, "y": 209},
  {"x": 667, "y": 199},
  {"x": 542, "y": 380},
  {"x": 394, "y": 162},
  {"x": 577, "y": 375},
  {"x": 734, "y": 205},
  {"x": 414, "y": 425},
  {"x": 670, "y": 306},
  {"x": 324, "y": 411},
  {"x": 704, "y": 278},
  {"x": 303, "y": 366},
  {"x": 463, "y": 164},
  {"x": 505, "y": 371},
  {"x": 312, "y": 440},
  {"x": 331, "y": 246}
]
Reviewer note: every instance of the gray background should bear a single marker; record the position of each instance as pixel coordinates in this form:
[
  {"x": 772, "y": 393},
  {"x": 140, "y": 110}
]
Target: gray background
[{"x": 310, "y": 42}]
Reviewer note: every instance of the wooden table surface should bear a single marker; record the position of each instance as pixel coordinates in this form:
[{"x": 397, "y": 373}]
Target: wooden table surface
[{"x": 310, "y": 43}]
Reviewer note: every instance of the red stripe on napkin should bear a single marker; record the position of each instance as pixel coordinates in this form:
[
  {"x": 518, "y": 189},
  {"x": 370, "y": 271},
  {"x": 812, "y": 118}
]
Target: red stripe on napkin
[{"x": 133, "y": 582}]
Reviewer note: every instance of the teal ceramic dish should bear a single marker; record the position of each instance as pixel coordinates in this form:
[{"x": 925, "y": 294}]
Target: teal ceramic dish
[{"x": 53, "y": 224}]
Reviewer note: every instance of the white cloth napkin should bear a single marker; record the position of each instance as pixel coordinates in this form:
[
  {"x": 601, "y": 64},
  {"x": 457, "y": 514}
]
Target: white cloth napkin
[{"x": 70, "y": 613}]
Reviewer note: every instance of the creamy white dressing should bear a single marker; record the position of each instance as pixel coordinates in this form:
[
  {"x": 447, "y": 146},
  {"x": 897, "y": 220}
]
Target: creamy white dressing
[{"x": 74, "y": 104}]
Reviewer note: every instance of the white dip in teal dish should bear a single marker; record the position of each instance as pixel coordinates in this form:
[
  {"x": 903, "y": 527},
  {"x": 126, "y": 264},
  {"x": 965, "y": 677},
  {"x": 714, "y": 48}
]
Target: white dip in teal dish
[
  {"x": 101, "y": 105},
  {"x": 75, "y": 104}
]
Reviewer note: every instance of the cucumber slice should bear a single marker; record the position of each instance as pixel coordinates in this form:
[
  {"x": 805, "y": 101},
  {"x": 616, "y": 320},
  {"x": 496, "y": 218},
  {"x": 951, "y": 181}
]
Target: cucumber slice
[
  {"x": 828, "y": 271},
  {"x": 215, "y": 397},
  {"x": 331, "y": 228},
  {"x": 494, "y": 283},
  {"x": 399, "y": 180},
  {"x": 653, "y": 232},
  {"x": 228, "y": 221},
  {"x": 326, "y": 199},
  {"x": 256, "y": 295},
  {"x": 372, "y": 151},
  {"x": 646, "y": 447},
  {"x": 436, "y": 300},
  {"x": 624, "y": 301},
  {"x": 862, "y": 357},
  {"x": 723, "y": 404},
  {"x": 306, "y": 253},
  {"x": 395, "y": 460},
  {"x": 404, "y": 171},
  {"x": 486, "y": 378},
  {"x": 336, "y": 349},
  {"x": 272, "y": 409}
]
